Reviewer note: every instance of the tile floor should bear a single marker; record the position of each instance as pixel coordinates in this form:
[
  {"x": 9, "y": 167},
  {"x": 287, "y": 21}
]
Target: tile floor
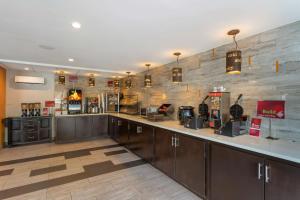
[{"x": 97, "y": 169}]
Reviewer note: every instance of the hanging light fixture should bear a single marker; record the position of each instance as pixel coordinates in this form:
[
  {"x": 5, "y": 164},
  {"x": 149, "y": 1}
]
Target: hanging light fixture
[
  {"x": 92, "y": 80},
  {"x": 234, "y": 57},
  {"x": 116, "y": 83},
  {"x": 128, "y": 81},
  {"x": 61, "y": 78},
  {"x": 148, "y": 80},
  {"x": 177, "y": 71}
]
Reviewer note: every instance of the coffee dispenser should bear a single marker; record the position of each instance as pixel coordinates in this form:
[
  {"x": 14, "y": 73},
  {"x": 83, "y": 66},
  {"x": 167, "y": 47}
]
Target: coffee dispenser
[
  {"x": 203, "y": 114},
  {"x": 219, "y": 109}
]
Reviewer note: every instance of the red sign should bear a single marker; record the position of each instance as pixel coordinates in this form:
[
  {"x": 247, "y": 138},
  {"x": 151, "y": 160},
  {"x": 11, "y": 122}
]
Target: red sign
[
  {"x": 110, "y": 83},
  {"x": 49, "y": 103},
  {"x": 73, "y": 78},
  {"x": 271, "y": 109},
  {"x": 215, "y": 94},
  {"x": 255, "y": 127}
]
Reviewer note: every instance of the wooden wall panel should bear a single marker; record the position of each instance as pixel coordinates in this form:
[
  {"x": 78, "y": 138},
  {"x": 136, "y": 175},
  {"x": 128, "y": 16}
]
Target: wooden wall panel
[{"x": 2, "y": 102}]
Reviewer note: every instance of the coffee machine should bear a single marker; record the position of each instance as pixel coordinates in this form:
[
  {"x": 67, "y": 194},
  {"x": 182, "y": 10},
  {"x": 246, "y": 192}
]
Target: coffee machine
[
  {"x": 200, "y": 121},
  {"x": 203, "y": 114},
  {"x": 92, "y": 105},
  {"x": 185, "y": 113},
  {"x": 219, "y": 109}
]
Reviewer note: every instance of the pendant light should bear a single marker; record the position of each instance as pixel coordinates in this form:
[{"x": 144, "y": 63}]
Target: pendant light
[
  {"x": 234, "y": 57},
  {"x": 61, "y": 78},
  {"x": 116, "y": 83},
  {"x": 128, "y": 82},
  {"x": 92, "y": 80},
  {"x": 148, "y": 80},
  {"x": 177, "y": 71}
]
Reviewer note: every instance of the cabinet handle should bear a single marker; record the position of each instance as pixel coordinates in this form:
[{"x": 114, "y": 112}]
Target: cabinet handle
[
  {"x": 176, "y": 142},
  {"x": 139, "y": 129},
  {"x": 267, "y": 171},
  {"x": 172, "y": 141},
  {"x": 259, "y": 174},
  {"x": 119, "y": 123}
]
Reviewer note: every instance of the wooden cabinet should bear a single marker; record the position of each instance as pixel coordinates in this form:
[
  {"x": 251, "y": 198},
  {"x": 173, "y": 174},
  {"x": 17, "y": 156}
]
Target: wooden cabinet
[
  {"x": 65, "y": 128},
  {"x": 183, "y": 158},
  {"x": 121, "y": 131},
  {"x": 28, "y": 130},
  {"x": 83, "y": 127},
  {"x": 190, "y": 163},
  {"x": 282, "y": 181},
  {"x": 141, "y": 140},
  {"x": 99, "y": 125},
  {"x": 235, "y": 175},
  {"x": 76, "y": 128},
  {"x": 164, "y": 151},
  {"x": 111, "y": 126}
]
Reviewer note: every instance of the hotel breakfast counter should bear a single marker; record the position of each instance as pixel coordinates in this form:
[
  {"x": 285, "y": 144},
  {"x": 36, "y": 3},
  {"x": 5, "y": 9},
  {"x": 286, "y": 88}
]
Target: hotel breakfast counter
[
  {"x": 84, "y": 126},
  {"x": 282, "y": 149}
]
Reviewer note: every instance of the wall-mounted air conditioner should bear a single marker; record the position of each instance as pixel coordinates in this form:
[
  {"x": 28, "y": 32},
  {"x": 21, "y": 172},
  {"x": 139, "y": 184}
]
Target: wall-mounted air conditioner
[{"x": 30, "y": 79}]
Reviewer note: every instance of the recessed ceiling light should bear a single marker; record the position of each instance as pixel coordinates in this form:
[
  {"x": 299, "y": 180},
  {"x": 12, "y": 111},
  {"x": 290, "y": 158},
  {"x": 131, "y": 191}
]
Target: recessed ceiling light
[
  {"x": 26, "y": 68},
  {"x": 71, "y": 59},
  {"x": 76, "y": 25}
]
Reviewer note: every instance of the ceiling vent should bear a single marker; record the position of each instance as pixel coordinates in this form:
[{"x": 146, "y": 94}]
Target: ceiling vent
[{"x": 30, "y": 79}]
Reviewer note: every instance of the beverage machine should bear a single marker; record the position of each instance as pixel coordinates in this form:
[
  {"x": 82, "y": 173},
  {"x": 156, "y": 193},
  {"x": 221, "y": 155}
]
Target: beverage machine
[
  {"x": 74, "y": 101},
  {"x": 92, "y": 105},
  {"x": 219, "y": 109}
]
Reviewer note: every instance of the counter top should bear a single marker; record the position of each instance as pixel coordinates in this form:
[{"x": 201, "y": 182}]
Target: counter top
[{"x": 283, "y": 149}]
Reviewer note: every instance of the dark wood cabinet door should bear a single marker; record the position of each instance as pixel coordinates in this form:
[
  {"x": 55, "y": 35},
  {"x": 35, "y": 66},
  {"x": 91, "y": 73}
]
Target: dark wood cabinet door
[
  {"x": 122, "y": 129},
  {"x": 83, "y": 127},
  {"x": 234, "y": 175},
  {"x": 132, "y": 144},
  {"x": 100, "y": 125},
  {"x": 141, "y": 140},
  {"x": 284, "y": 181},
  {"x": 111, "y": 124},
  {"x": 65, "y": 128},
  {"x": 145, "y": 140},
  {"x": 190, "y": 163},
  {"x": 164, "y": 154}
]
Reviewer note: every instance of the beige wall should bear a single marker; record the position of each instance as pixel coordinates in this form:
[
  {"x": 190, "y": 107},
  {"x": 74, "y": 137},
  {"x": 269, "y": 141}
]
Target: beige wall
[
  {"x": 258, "y": 81},
  {"x": 17, "y": 93}
]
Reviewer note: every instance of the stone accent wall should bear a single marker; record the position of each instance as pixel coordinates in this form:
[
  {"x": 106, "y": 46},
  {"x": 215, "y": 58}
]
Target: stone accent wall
[{"x": 258, "y": 80}]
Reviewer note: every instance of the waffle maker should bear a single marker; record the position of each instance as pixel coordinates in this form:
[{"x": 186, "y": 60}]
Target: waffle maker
[{"x": 233, "y": 127}]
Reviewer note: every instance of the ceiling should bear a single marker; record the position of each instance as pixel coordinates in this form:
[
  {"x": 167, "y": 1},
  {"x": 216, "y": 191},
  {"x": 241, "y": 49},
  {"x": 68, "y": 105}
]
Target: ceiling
[{"x": 123, "y": 35}]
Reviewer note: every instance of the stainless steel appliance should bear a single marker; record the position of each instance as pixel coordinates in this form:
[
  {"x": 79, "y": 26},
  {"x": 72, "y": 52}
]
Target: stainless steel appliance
[
  {"x": 74, "y": 101},
  {"x": 92, "y": 105},
  {"x": 112, "y": 101},
  {"x": 219, "y": 109},
  {"x": 185, "y": 112}
]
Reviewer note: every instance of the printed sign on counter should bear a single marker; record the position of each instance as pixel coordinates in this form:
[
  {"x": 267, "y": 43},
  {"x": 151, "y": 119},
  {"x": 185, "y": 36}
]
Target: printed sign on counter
[
  {"x": 255, "y": 127},
  {"x": 271, "y": 109}
]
